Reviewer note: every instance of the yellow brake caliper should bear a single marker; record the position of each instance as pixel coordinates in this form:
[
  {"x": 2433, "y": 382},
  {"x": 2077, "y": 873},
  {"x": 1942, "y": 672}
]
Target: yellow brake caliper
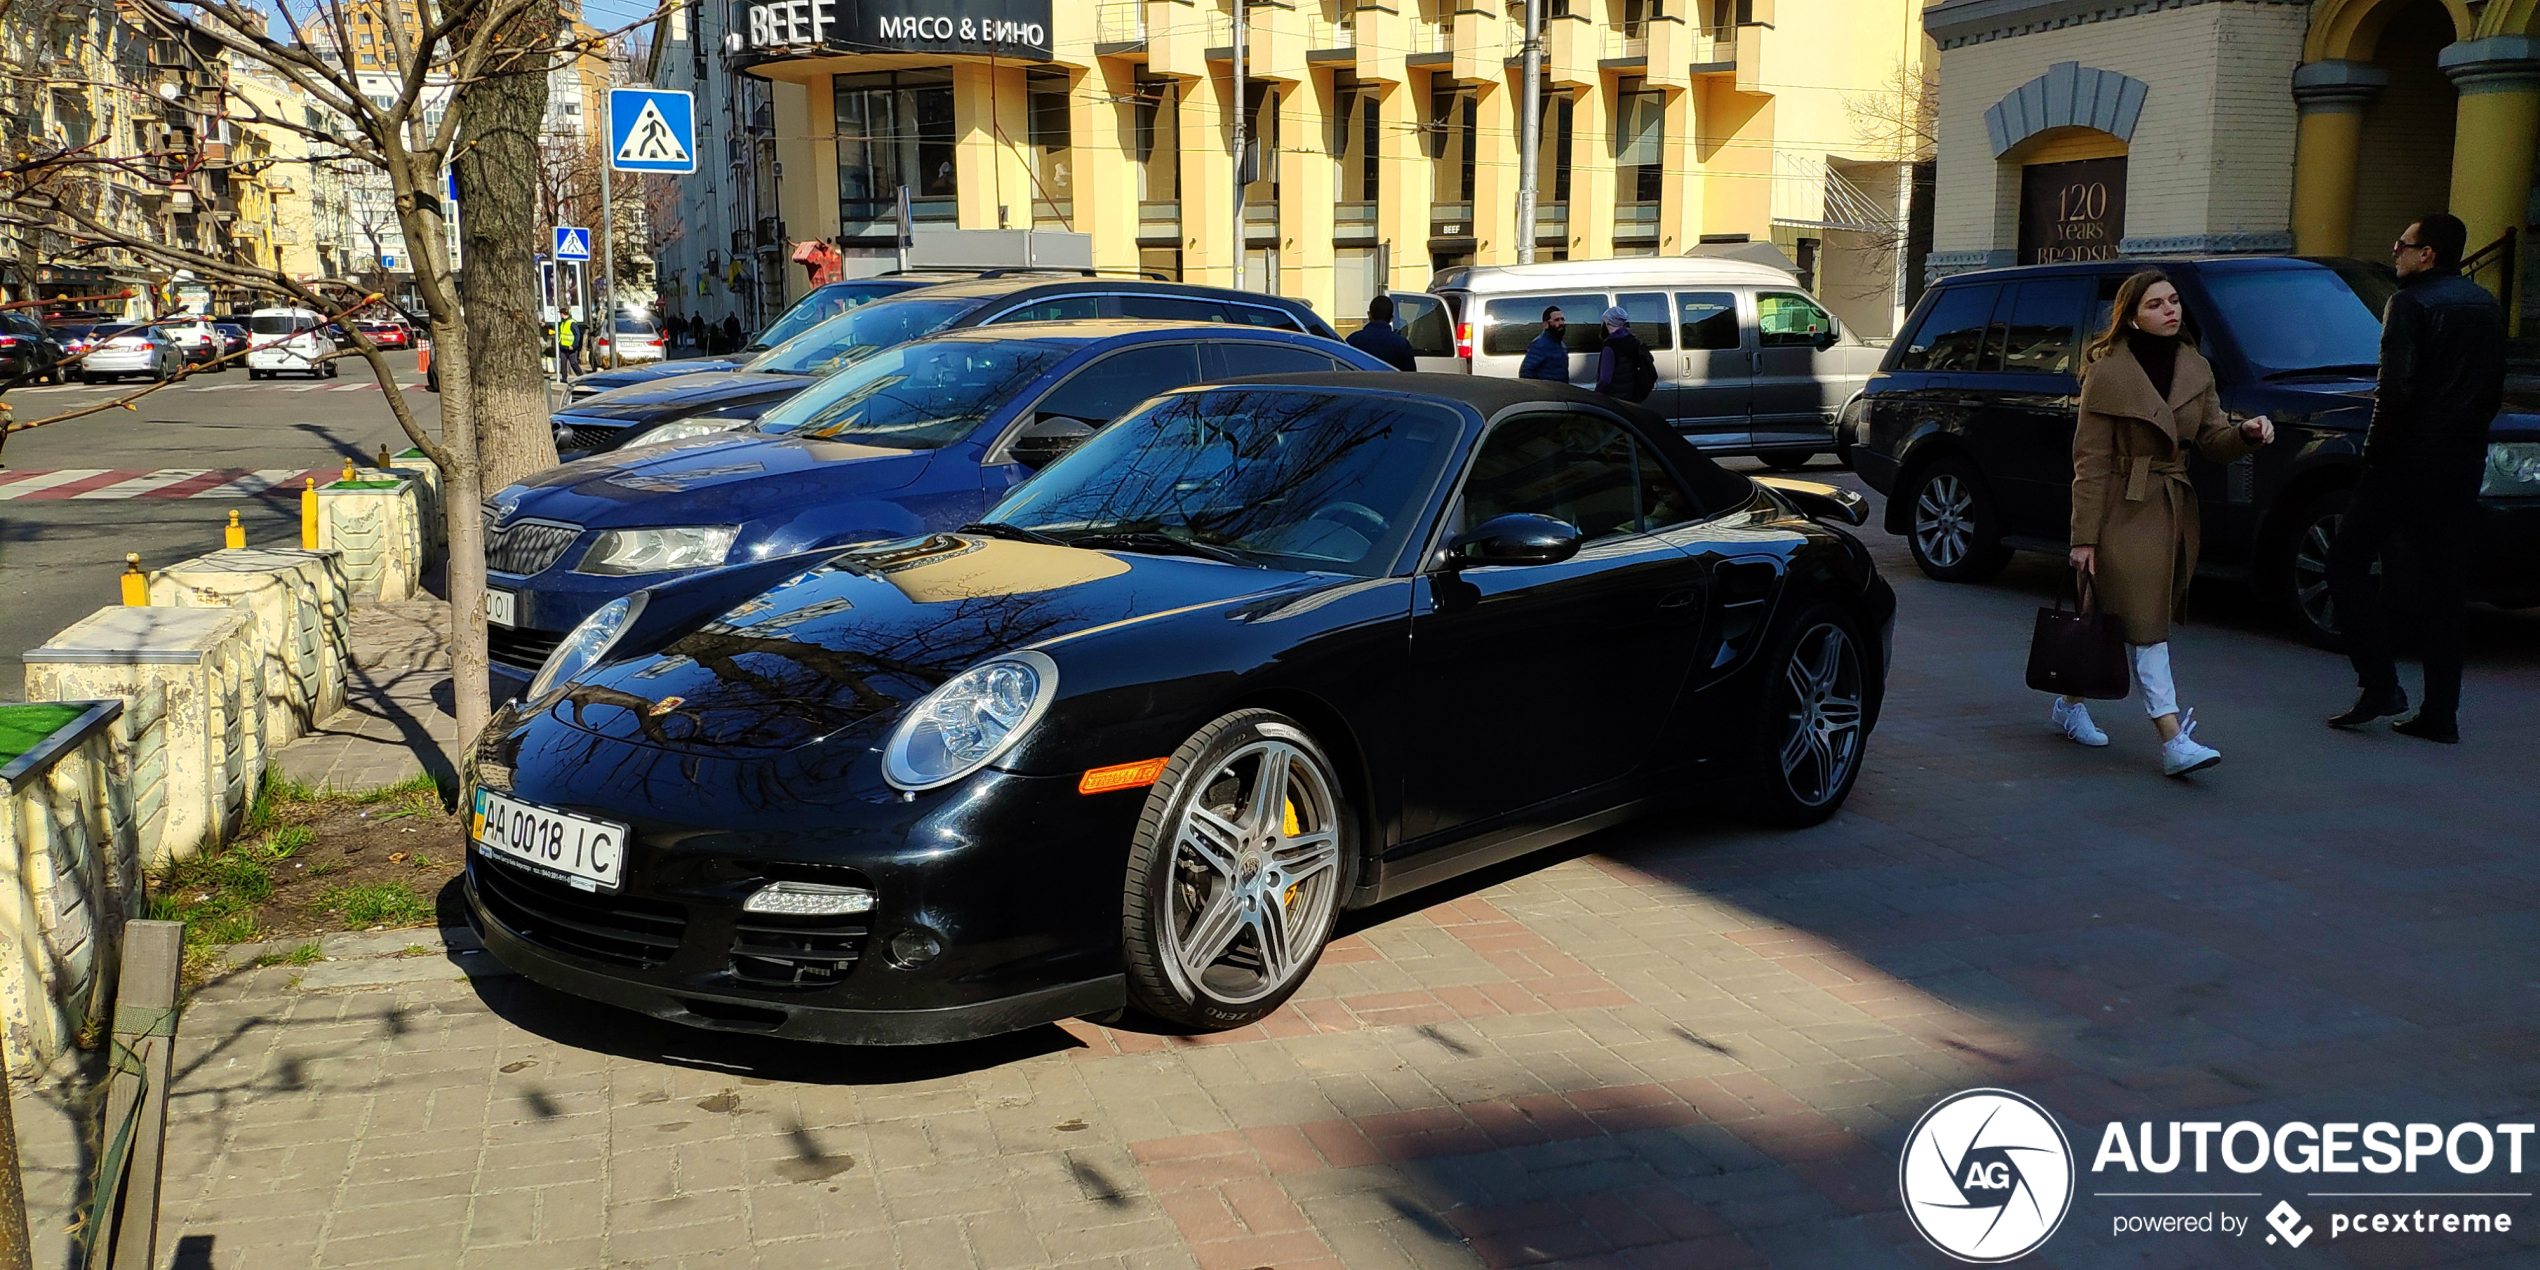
[{"x": 1288, "y": 825}]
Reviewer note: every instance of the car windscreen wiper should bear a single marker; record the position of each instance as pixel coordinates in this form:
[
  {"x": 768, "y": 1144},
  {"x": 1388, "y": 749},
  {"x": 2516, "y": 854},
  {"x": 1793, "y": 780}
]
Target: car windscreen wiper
[
  {"x": 2364, "y": 369},
  {"x": 1016, "y": 533},
  {"x": 1153, "y": 543}
]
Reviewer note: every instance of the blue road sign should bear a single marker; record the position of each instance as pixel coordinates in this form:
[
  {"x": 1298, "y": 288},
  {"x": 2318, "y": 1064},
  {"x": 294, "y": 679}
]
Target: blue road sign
[
  {"x": 652, "y": 130},
  {"x": 573, "y": 243}
]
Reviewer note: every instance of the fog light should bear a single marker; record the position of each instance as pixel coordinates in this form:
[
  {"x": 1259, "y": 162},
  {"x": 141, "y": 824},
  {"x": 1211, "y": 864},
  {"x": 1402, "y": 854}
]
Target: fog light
[
  {"x": 914, "y": 948},
  {"x": 808, "y": 899}
]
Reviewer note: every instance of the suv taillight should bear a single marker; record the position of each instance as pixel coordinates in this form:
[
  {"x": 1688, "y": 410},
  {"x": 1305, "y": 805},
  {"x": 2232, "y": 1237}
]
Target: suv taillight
[{"x": 1464, "y": 340}]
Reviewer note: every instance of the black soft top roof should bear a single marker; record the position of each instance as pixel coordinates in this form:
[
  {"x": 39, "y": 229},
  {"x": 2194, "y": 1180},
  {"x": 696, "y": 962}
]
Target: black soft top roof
[{"x": 1714, "y": 486}]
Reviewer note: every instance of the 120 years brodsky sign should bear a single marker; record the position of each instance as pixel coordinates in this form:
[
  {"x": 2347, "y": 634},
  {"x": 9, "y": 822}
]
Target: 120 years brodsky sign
[
  {"x": 1006, "y": 28},
  {"x": 2071, "y": 211}
]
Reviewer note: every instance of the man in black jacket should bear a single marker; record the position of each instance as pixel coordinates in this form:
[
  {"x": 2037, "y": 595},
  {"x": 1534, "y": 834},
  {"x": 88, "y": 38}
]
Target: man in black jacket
[
  {"x": 2442, "y": 381},
  {"x": 1379, "y": 340}
]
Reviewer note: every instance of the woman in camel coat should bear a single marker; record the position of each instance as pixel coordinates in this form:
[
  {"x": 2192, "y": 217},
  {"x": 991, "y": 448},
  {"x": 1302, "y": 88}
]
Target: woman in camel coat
[{"x": 2147, "y": 398}]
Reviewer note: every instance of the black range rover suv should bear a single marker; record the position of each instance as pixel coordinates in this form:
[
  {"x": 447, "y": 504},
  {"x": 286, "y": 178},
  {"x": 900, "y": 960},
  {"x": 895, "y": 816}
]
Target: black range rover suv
[{"x": 1968, "y": 425}]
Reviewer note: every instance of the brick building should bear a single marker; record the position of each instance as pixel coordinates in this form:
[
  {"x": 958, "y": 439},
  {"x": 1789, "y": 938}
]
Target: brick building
[{"x": 2092, "y": 128}]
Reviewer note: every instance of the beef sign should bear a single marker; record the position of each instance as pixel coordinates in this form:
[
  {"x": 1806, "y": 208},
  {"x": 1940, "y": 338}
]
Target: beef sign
[{"x": 1006, "y": 28}]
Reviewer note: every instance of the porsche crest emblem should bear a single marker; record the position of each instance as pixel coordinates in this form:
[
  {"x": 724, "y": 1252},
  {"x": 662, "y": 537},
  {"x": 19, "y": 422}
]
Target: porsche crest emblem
[{"x": 665, "y": 706}]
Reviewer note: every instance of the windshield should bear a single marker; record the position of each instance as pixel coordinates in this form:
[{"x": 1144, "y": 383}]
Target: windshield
[
  {"x": 918, "y": 396},
  {"x": 273, "y": 324},
  {"x": 1294, "y": 479},
  {"x": 856, "y": 334},
  {"x": 824, "y": 304},
  {"x": 2335, "y": 328}
]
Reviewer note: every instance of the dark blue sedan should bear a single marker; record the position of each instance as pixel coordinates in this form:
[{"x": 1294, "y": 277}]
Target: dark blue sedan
[{"x": 920, "y": 437}]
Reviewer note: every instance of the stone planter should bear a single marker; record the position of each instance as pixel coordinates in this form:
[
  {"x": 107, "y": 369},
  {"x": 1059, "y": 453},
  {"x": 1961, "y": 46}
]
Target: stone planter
[
  {"x": 374, "y": 522},
  {"x": 427, "y": 476},
  {"x": 301, "y": 606},
  {"x": 191, "y": 739},
  {"x": 69, "y": 872}
]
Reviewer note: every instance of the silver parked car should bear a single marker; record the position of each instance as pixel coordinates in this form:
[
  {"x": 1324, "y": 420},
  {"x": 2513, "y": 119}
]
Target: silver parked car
[
  {"x": 1748, "y": 362},
  {"x": 132, "y": 350}
]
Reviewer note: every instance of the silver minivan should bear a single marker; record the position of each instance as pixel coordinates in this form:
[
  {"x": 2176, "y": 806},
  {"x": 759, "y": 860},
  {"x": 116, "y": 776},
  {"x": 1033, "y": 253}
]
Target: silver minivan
[{"x": 1748, "y": 362}]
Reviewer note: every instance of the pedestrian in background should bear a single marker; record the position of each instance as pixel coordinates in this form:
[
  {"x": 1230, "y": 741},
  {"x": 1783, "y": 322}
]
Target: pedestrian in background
[
  {"x": 1379, "y": 340},
  {"x": 2147, "y": 398},
  {"x": 1624, "y": 367},
  {"x": 1548, "y": 357},
  {"x": 2442, "y": 381},
  {"x": 731, "y": 332},
  {"x": 569, "y": 344}
]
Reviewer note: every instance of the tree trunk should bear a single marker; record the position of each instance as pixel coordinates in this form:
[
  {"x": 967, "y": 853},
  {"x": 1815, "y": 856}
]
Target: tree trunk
[{"x": 499, "y": 120}]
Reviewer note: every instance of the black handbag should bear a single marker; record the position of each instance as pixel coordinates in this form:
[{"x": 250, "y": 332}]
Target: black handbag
[{"x": 2079, "y": 654}]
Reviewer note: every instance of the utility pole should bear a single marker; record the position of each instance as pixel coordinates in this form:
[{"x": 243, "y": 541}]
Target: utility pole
[
  {"x": 1240, "y": 112},
  {"x": 1529, "y": 132}
]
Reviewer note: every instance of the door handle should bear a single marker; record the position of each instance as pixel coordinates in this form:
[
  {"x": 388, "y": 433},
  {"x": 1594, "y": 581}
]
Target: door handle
[{"x": 1678, "y": 599}]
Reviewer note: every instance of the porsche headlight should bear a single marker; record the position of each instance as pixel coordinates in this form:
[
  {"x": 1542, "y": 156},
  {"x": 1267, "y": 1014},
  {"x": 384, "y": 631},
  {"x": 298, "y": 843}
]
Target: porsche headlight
[
  {"x": 965, "y": 724},
  {"x": 692, "y": 426},
  {"x": 586, "y": 644},
  {"x": 2513, "y": 469},
  {"x": 621, "y": 552}
]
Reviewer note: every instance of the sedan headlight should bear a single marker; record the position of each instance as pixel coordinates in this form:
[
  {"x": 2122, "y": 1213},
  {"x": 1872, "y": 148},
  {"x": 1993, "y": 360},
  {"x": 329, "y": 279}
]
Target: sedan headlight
[
  {"x": 2513, "y": 469},
  {"x": 586, "y": 644},
  {"x": 620, "y": 552},
  {"x": 682, "y": 429},
  {"x": 965, "y": 724}
]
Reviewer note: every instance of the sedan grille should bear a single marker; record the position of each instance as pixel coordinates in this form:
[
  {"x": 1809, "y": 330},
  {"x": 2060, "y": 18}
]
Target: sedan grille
[
  {"x": 629, "y": 932},
  {"x": 786, "y": 952},
  {"x": 587, "y": 434},
  {"x": 524, "y": 547},
  {"x": 519, "y": 646}
]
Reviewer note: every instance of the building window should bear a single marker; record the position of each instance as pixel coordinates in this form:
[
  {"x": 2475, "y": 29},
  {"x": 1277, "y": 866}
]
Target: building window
[
  {"x": 1053, "y": 163},
  {"x": 1640, "y": 124},
  {"x": 894, "y": 130},
  {"x": 1157, "y": 118},
  {"x": 1454, "y": 116}
]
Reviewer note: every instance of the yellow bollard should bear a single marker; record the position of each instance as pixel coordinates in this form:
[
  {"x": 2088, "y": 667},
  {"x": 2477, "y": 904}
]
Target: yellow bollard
[
  {"x": 384, "y": 464},
  {"x": 348, "y": 472},
  {"x": 235, "y": 535},
  {"x": 136, "y": 585},
  {"x": 308, "y": 514}
]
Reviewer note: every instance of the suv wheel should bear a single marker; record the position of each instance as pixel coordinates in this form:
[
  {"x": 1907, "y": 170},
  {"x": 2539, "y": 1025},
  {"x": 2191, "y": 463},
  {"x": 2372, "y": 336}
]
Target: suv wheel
[
  {"x": 1953, "y": 529},
  {"x": 2298, "y": 575}
]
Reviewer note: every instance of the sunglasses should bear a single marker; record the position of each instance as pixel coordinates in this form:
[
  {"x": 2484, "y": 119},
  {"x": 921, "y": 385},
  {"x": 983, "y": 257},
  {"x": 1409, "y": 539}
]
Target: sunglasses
[{"x": 2404, "y": 245}]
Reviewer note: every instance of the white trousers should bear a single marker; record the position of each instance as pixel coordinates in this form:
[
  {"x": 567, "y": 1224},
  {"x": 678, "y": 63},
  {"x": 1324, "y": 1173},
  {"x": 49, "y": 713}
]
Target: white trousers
[{"x": 2152, "y": 670}]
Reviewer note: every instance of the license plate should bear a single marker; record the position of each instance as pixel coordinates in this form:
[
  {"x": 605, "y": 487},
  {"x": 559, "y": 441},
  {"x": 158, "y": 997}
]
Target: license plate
[
  {"x": 498, "y": 607},
  {"x": 589, "y": 854}
]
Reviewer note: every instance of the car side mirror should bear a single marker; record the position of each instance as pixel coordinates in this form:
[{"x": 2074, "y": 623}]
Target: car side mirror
[
  {"x": 1829, "y": 337},
  {"x": 1049, "y": 437},
  {"x": 1518, "y": 538}
]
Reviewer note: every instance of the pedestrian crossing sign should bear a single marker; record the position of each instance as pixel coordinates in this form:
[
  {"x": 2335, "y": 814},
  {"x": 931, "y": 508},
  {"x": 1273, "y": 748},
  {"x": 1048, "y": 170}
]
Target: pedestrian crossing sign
[
  {"x": 652, "y": 130},
  {"x": 573, "y": 243}
]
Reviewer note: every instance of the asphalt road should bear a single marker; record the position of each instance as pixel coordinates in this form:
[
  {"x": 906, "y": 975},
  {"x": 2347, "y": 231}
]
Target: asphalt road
[{"x": 59, "y": 556}]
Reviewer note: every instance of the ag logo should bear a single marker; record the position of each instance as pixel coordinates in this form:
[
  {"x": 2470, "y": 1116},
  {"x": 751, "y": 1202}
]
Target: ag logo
[{"x": 1987, "y": 1175}]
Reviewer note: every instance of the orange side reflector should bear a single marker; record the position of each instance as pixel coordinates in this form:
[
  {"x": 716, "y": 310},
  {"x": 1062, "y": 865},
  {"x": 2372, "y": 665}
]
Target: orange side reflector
[{"x": 1103, "y": 780}]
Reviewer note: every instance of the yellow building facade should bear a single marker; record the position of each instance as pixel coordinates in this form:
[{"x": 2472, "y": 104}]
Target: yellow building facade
[
  {"x": 2222, "y": 126},
  {"x": 1387, "y": 133}
]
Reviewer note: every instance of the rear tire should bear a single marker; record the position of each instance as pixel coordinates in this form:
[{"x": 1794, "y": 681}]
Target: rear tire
[
  {"x": 1242, "y": 858},
  {"x": 1812, "y": 727},
  {"x": 2297, "y": 573},
  {"x": 1951, "y": 526}
]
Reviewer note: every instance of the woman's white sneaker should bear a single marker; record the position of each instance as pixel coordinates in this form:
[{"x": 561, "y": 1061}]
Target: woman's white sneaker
[
  {"x": 2181, "y": 754},
  {"x": 2073, "y": 717}
]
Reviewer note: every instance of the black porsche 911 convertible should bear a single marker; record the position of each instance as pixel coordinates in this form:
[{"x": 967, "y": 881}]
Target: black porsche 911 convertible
[{"x": 1262, "y": 651}]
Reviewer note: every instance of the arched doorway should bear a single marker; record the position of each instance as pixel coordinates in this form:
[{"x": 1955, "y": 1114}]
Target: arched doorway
[
  {"x": 2403, "y": 150},
  {"x": 2061, "y": 141}
]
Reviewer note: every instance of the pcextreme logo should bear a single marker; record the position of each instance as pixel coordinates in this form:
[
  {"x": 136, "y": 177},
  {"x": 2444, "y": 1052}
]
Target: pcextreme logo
[{"x": 1987, "y": 1176}]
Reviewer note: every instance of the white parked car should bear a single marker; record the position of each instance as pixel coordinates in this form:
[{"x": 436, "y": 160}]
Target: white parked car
[
  {"x": 637, "y": 340},
  {"x": 196, "y": 338},
  {"x": 132, "y": 350},
  {"x": 288, "y": 339}
]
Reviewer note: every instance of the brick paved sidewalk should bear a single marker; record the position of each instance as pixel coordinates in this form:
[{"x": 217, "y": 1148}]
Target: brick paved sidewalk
[
  {"x": 396, "y": 720},
  {"x": 1682, "y": 1043}
]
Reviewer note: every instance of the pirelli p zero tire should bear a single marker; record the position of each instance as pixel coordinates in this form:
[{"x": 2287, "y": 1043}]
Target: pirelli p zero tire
[{"x": 1236, "y": 876}]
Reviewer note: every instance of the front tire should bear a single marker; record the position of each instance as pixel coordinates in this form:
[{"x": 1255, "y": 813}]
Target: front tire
[
  {"x": 1953, "y": 529},
  {"x": 1237, "y": 873},
  {"x": 1813, "y": 728}
]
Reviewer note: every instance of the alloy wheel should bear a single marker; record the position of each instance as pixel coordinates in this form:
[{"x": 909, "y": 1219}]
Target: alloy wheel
[
  {"x": 1255, "y": 875},
  {"x": 2310, "y": 572},
  {"x": 1944, "y": 519},
  {"x": 1821, "y": 736}
]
